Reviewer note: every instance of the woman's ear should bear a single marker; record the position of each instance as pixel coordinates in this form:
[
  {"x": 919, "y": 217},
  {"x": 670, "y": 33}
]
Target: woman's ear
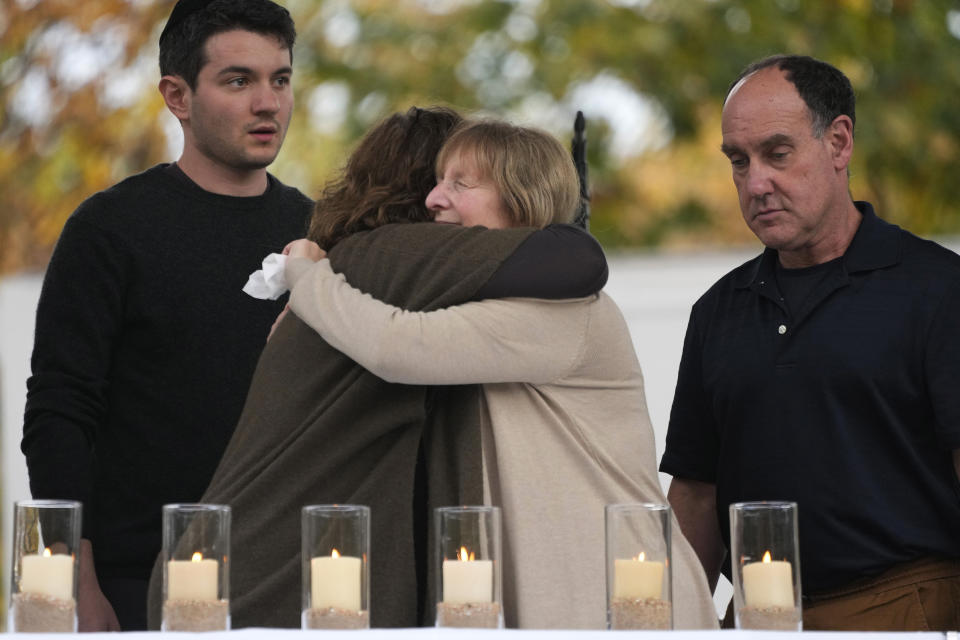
[{"x": 177, "y": 95}]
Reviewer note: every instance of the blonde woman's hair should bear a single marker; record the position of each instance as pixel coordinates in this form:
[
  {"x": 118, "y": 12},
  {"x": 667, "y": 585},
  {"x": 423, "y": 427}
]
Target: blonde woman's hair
[{"x": 533, "y": 173}]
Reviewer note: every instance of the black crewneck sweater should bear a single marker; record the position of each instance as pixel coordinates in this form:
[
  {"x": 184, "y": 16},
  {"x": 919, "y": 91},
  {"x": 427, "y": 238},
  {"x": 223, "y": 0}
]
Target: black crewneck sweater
[{"x": 144, "y": 349}]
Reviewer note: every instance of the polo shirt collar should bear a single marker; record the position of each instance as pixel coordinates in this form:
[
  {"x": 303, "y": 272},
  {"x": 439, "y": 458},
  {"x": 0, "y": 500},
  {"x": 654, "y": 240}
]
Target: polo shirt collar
[{"x": 875, "y": 245}]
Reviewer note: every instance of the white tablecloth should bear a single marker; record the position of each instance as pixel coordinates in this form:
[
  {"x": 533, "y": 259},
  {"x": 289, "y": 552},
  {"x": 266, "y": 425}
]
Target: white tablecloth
[{"x": 506, "y": 634}]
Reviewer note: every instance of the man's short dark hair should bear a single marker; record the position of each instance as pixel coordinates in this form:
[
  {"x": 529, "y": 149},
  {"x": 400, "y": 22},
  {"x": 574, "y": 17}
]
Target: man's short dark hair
[
  {"x": 182, "y": 44},
  {"x": 823, "y": 88}
]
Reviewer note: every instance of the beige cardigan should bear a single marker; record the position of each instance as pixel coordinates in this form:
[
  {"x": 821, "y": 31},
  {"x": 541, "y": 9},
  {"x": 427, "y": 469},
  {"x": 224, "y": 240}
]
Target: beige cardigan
[{"x": 565, "y": 430}]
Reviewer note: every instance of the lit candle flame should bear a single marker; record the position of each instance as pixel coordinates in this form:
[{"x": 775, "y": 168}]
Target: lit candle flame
[
  {"x": 766, "y": 557},
  {"x": 47, "y": 553},
  {"x": 197, "y": 556},
  {"x": 334, "y": 554},
  {"x": 464, "y": 555},
  {"x": 642, "y": 557}
]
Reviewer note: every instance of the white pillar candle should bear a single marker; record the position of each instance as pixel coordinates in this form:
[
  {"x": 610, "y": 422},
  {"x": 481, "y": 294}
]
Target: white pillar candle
[
  {"x": 768, "y": 584},
  {"x": 637, "y": 578},
  {"x": 49, "y": 574},
  {"x": 335, "y": 582},
  {"x": 466, "y": 580},
  {"x": 196, "y": 579}
]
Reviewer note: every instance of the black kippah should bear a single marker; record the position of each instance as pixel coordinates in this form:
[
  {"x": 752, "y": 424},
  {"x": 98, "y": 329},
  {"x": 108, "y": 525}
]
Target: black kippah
[{"x": 182, "y": 10}]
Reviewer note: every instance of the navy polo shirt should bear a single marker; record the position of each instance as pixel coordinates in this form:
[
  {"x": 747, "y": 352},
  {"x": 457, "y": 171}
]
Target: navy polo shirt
[{"x": 850, "y": 406}]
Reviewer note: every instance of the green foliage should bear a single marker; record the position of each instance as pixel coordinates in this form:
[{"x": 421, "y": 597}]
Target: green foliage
[{"x": 521, "y": 59}]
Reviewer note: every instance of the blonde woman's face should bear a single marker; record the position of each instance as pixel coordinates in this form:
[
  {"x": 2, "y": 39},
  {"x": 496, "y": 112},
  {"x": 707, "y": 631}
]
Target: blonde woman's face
[{"x": 463, "y": 197}]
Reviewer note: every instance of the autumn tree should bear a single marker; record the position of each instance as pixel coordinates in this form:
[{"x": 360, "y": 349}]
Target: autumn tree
[{"x": 81, "y": 110}]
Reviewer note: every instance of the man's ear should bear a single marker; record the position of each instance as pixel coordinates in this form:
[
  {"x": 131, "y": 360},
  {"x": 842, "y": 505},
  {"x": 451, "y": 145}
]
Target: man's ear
[
  {"x": 840, "y": 137},
  {"x": 177, "y": 95}
]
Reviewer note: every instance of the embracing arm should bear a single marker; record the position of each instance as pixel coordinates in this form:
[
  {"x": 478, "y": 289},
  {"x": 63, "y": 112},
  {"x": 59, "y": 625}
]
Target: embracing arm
[
  {"x": 490, "y": 341},
  {"x": 560, "y": 261}
]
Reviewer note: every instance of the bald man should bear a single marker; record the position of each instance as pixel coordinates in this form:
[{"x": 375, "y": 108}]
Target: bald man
[{"x": 825, "y": 371}]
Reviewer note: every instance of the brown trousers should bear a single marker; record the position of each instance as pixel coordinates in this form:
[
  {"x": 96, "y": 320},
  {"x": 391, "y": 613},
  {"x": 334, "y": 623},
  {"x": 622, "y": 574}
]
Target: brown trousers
[{"x": 917, "y": 596}]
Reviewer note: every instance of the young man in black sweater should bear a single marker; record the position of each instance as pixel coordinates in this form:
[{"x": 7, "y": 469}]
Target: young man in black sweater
[{"x": 145, "y": 343}]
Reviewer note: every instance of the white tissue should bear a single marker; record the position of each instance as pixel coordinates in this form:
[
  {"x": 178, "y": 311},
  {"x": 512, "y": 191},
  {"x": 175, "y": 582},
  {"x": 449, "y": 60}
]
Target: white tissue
[{"x": 270, "y": 282}]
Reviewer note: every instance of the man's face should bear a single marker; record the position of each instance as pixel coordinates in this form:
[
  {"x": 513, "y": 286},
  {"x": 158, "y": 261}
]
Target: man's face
[
  {"x": 786, "y": 179},
  {"x": 240, "y": 110}
]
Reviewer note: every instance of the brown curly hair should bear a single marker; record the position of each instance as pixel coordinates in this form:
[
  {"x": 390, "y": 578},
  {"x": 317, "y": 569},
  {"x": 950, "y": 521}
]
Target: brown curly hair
[{"x": 387, "y": 178}]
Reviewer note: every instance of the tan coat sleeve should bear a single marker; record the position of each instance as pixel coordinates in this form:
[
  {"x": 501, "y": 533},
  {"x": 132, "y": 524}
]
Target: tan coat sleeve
[{"x": 515, "y": 340}]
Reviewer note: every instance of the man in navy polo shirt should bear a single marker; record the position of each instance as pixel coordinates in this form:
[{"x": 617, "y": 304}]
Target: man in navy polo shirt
[{"x": 825, "y": 371}]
